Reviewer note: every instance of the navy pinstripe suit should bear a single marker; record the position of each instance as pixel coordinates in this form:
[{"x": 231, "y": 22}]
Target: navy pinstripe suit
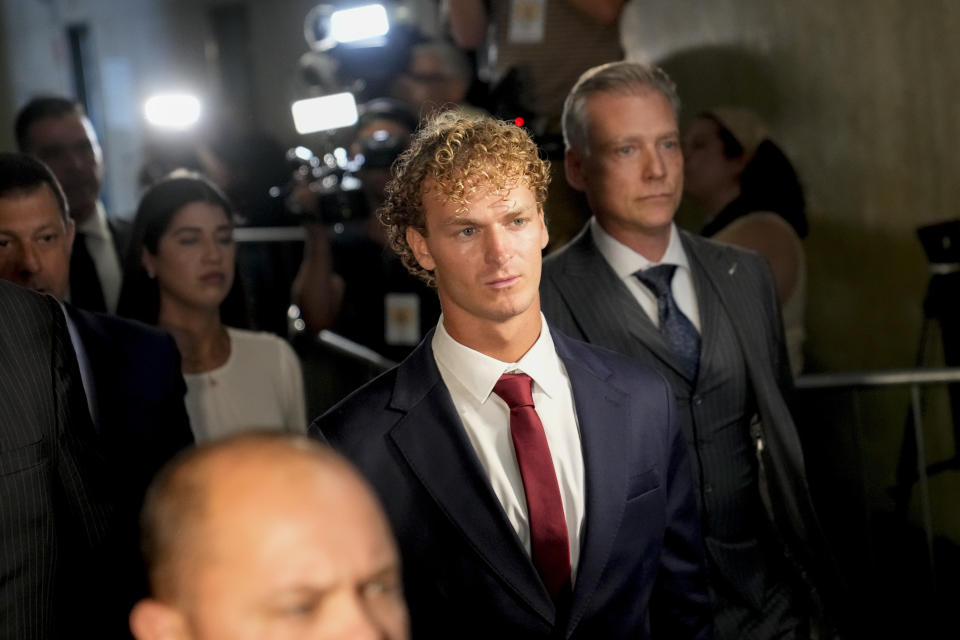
[
  {"x": 53, "y": 517},
  {"x": 744, "y": 445}
]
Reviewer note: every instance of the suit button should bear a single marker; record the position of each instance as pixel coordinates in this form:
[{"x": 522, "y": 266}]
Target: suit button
[
  {"x": 697, "y": 400},
  {"x": 708, "y": 488}
]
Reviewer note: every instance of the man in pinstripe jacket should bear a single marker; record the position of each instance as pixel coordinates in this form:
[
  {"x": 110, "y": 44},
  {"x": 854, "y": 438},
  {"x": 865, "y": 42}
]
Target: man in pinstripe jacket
[
  {"x": 53, "y": 519},
  {"x": 711, "y": 326}
]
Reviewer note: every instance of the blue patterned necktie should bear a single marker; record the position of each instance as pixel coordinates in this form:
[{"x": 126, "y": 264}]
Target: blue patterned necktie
[{"x": 680, "y": 334}]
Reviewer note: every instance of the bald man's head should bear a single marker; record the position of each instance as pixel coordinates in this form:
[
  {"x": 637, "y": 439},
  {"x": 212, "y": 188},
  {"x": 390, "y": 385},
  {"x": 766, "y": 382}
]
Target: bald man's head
[{"x": 267, "y": 536}]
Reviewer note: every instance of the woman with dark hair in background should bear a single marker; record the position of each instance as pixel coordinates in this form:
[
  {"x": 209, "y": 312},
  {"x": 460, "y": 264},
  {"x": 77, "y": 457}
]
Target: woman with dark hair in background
[
  {"x": 753, "y": 199},
  {"x": 180, "y": 275}
]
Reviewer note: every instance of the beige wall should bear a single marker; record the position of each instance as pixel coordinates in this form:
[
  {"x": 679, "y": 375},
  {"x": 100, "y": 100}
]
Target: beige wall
[{"x": 861, "y": 95}]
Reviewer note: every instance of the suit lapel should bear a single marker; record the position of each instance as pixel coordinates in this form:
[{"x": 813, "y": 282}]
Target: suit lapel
[
  {"x": 622, "y": 325},
  {"x": 710, "y": 307},
  {"x": 99, "y": 362},
  {"x": 721, "y": 273},
  {"x": 602, "y": 413},
  {"x": 431, "y": 438}
]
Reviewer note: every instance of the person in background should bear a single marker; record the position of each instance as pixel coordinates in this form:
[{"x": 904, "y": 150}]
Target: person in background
[
  {"x": 753, "y": 199},
  {"x": 437, "y": 77},
  {"x": 180, "y": 274},
  {"x": 268, "y": 536},
  {"x": 532, "y": 52},
  {"x": 58, "y": 132},
  {"x": 381, "y": 305}
]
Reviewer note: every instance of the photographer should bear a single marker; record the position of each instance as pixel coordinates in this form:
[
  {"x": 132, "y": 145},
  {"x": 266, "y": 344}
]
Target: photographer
[{"x": 370, "y": 297}]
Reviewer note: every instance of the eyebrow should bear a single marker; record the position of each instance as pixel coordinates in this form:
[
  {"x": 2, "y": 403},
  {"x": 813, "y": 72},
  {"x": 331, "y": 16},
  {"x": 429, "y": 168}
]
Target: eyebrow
[
  {"x": 50, "y": 226},
  {"x": 466, "y": 221},
  {"x": 640, "y": 138},
  {"x": 223, "y": 227},
  {"x": 387, "y": 569}
]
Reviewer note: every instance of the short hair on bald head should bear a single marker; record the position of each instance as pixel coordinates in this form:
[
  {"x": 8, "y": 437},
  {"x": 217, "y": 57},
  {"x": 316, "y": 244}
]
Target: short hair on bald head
[{"x": 176, "y": 501}]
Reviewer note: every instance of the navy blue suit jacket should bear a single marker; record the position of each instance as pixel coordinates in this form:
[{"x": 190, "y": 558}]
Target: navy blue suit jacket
[
  {"x": 142, "y": 423},
  {"x": 139, "y": 391},
  {"x": 466, "y": 574}
]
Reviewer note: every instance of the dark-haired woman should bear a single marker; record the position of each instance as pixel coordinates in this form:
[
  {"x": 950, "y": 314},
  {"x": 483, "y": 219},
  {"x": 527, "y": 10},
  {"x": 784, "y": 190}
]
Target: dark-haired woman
[
  {"x": 753, "y": 199},
  {"x": 180, "y": 274}
]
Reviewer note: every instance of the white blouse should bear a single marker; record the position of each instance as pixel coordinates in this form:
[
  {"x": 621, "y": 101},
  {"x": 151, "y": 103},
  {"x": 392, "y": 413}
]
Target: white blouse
[{"x": 260, "y": 386}]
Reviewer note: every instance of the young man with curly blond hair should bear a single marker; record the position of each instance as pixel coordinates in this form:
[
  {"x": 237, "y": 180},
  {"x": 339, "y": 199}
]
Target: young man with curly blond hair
[{"x": 538, "y": 486}]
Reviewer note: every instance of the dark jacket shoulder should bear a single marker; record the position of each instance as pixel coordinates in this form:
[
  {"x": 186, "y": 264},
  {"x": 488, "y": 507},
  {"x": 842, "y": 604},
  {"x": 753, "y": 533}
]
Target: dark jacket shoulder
[
  {"x": 612, "y": 366},
  {"x": 123, "y": 331},
  {"x": 359, "y": 416}
]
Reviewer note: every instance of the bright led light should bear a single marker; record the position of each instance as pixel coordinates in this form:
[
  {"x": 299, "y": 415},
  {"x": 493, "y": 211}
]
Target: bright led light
[
  {"x": 326, "y": 112},
  {"x": 172, "y": 110},
  {"x": 359, "y": 23},
  {"x": 303, "y": 153}
]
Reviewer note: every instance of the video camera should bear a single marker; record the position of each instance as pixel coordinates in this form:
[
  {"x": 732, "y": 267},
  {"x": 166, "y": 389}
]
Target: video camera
[
  {"x": 334, "y": 179},
  {"x": 355, "y": 51}
]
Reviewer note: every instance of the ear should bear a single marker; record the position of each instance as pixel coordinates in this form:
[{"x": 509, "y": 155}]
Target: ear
[
  {"x": 149, "y": 262},
  {"x": 71, "y": 232},
  {"x": 573, "y": 165},
  {"x": 153, "y": 620},
  {"x": 420, "y": 249},
  {"x": 544, "y": 233}
]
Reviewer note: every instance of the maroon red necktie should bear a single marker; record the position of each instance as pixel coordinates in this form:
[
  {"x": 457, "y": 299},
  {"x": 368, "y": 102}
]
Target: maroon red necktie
[{"x": 548, "y": 526}]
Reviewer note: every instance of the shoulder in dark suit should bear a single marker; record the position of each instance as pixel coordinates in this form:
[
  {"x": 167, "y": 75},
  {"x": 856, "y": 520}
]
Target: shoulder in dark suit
[
  {"x": 141, "y": 423},
  {"x": 54, "y": 514},
  {"x": 466, "y": 574},
  {"x": 139, "y": 391}
]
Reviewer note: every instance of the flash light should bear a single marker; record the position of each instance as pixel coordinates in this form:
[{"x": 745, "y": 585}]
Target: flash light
[
  {"x": 333, "y": 111},
  {"x": 172, "y": 110}
]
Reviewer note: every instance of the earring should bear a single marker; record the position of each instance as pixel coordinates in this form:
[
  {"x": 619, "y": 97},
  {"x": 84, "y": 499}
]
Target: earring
[{"x": 151, "y": 274}]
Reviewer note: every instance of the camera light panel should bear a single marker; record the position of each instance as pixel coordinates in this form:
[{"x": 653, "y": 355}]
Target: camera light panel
[
  {"x": 359, "y": 23},
  {"x": 172, "y": 110},
  {"x": 333, "y": 111}
]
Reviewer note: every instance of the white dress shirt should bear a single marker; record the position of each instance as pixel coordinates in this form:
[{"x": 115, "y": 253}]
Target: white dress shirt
[
  {"x": 83, "y": 362},
  {"x": 103, "y": 252},
  {"x": 626, "y": 262},
  {"x": 470, "y": 377}
]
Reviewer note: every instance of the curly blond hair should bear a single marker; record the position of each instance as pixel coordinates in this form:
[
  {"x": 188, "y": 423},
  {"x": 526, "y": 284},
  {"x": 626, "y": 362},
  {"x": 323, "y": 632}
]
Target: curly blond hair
[{"x": 463, "y": 157}]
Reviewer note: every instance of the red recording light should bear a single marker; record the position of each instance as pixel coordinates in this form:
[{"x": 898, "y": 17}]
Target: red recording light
[{"x": 519, "y": 121}]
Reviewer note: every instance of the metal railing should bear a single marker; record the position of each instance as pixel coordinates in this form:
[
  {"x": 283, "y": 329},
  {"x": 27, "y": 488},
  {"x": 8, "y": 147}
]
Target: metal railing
[
  {"x": 355, "y": 351},
  {"x": 914, "y": 379}
]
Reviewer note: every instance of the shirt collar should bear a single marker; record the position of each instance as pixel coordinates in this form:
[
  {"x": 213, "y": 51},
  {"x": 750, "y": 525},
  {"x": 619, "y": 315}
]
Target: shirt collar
[
  {"x": 626, "y": 262},
  {"x": 478, "y": 373},
  {"x": 96, "y": 225}
]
